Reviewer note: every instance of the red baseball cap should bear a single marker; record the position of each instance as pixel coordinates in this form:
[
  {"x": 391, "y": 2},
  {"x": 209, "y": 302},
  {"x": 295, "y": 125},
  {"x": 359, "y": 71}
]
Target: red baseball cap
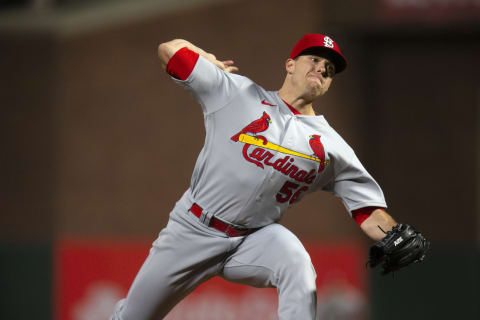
[{"x": 321, "y": 45}]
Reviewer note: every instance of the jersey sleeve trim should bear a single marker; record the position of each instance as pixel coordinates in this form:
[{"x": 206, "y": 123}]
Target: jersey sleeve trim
[
  {"x": 181, "y": 64},
  {"x": 365, "y": 204},
  {"x": 362, "y": 214}
]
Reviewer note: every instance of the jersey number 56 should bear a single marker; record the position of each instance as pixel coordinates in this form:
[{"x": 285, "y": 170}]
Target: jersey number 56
[{"x": 289, "y": 192}]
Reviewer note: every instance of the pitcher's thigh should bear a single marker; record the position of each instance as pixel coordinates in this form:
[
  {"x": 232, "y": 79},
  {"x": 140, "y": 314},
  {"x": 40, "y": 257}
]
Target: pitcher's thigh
[
  {"x": 274, "y": 257},
  {"x": 267, "y": 257}
]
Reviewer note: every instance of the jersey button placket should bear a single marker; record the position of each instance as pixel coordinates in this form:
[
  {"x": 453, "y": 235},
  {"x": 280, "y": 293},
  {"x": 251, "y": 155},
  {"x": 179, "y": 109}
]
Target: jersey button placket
[{"x": 288, "y": 138}]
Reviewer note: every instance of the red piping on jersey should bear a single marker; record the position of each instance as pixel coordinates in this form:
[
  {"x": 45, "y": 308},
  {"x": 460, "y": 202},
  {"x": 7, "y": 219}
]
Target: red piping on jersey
[
  {"x": 362, "y": 214},
  {"x": 181, "y": 64},
  {"x": 294, "y": 111}
]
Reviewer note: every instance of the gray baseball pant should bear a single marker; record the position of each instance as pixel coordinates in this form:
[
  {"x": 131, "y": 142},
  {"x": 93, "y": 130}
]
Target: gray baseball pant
[{"x": 188, "y": 253}]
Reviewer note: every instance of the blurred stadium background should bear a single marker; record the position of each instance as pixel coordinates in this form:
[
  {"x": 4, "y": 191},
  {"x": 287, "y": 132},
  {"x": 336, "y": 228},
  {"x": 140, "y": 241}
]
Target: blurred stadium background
[{"x": 98, "y": 144}]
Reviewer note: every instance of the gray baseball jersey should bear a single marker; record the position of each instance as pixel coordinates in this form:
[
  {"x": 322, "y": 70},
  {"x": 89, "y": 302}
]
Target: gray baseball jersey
[{"x": 259, "y": 157}]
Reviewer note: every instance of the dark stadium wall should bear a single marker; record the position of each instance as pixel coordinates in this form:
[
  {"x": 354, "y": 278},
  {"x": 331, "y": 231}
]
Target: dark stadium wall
[
  {"x": 98, "y": 141},
  {"x": 422, "y": 148},
  {"x": 27, "y": 184}
]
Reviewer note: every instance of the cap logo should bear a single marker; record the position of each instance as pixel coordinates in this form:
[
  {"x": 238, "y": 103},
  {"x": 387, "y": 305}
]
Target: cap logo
[{"x": 328, "y": 42}]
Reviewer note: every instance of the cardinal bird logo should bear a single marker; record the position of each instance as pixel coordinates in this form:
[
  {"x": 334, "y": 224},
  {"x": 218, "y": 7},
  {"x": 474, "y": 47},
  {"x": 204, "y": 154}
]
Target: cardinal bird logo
[
  {"x": 318, "y": 150},
  {"x": 255, "y": 127}
]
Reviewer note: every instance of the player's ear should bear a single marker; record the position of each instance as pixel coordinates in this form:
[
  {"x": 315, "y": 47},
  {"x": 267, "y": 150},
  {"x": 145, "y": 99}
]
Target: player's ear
[{"x": 290, "y": 65}]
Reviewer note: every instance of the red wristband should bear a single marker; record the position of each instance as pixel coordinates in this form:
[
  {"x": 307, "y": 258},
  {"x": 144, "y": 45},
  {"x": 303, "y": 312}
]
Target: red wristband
[{"x": 181, "y": 64}]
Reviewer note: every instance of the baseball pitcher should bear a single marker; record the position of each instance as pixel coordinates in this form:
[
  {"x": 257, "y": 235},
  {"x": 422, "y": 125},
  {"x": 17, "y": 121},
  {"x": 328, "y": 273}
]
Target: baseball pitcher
[{"x": 264, "y": 151}]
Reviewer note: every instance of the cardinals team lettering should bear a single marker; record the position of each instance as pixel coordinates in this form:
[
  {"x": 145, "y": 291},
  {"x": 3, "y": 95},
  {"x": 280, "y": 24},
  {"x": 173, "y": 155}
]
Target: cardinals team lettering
[
  {"x": 284, "y": 165},
  {"x": 261, "y": 157}
]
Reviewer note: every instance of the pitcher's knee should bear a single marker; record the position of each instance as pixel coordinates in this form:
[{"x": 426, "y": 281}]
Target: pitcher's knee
[{"x": 298, "y": 271}]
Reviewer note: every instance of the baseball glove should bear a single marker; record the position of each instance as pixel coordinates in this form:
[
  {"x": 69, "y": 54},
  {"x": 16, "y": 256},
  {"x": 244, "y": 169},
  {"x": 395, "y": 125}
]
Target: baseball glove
[{"x": 401, "y": 246}]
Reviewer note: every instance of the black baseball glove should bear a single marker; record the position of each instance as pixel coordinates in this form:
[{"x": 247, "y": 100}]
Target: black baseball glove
[{"x": 402, "y": 246}]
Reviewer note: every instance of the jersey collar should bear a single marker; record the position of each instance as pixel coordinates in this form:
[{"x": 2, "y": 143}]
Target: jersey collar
[{"x": 294, "y": 111}]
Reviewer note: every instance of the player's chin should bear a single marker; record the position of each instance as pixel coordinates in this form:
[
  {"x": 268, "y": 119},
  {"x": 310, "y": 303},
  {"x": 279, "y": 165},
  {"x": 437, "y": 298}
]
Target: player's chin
[
  {"x": 316, "y": 92},
  {"x": 321, "y": 92}
]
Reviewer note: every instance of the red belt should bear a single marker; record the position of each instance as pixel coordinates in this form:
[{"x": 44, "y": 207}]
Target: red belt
[{"x": 228, "y": 229}]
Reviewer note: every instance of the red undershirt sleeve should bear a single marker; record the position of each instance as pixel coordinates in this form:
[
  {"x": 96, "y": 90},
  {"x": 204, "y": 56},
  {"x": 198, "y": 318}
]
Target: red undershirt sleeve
[
  {"x": 181, "y": 64},
  {"x": 362, "y": 214}
]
